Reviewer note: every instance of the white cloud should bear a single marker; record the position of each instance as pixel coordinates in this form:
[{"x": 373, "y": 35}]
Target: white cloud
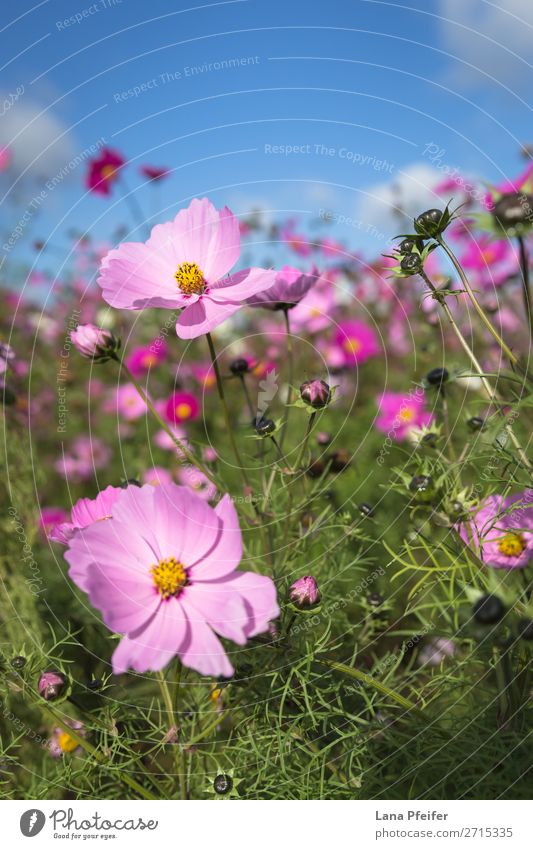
[
  {"x": 390, "y": 206},
  {"x": 40, "y": 143},
  {"x": 492, "y": 42}
]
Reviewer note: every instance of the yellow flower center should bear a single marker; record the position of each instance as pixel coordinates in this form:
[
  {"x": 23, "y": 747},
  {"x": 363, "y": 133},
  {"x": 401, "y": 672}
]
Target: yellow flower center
[
  {"x": 66, "y": 742},
  {"x": 406, "y": 415},
  {"x": 169, "y": 576},
  {"x": 352, "y": 346},
  {"x": 183, "y": 411},
  {"x": 512, "y": 545},
  {"x": 108, "y": 172},
  {"x": 190, "y": 278},
  {"x": 149, "y": 360}
]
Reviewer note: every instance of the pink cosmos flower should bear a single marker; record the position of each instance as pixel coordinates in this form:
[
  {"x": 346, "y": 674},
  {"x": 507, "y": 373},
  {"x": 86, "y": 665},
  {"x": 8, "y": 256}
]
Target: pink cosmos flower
[
  {"x": 128, "y": 402},
  {"x": 493, "y": 261},
  {"x": 50, "y": 518},
  {"x": 182, "y": 266},
  {"x": 314, "y": 312},
  {"x": 357, "y": 341},
  {"x": 93, "y": 342},
  {"x": 85, "y": 512},
  {"x": 297, "y": 242},
  {"x": 86, "y": 455},
  {"x": 289, "y": 287},
  {"x": 181, "y": 407},
  {"x": 104, "y": 171},
  {"x": 204, "y": 374},
  {"x": 147, "y": 357},
  {"x": 164, "y": 441},
  {"x": 61, "y": 743},
  {"x": 163, "y": 572},
  {"x": 399, "y": 414},
  {"x": 154, "y": 174},
  {"x": 502, "y": 530}
]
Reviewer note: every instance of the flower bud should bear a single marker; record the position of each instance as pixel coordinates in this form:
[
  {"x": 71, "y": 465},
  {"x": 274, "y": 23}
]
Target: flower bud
[
  {"x": 51, "y": 685},
  {"x": 223, "y": 784},
  {"x": 366, "y": 510},
  {"x": 323, "y": 437},
  {"x": 429, "y": 223},
  {"x": 316, "y": 393},
  {"x": 407, "y": 246},
  {"x": 475, "y": 423},
  {"x": 437, "y": 376},
  {"x": 410, "y": 264},
  {"x": 423, "y": 487},
  {"x": 488, "y": 610},
  {"x": 304, "y": 592},
  {"x": 339, "y": 460},
  {"x": 239, "y": 366},
  {"x": 94, "y": 343},
  {"x": 264, "y": 427},
  {"x": 514, "y": 209},
  {"x": 18, "y": 662}
]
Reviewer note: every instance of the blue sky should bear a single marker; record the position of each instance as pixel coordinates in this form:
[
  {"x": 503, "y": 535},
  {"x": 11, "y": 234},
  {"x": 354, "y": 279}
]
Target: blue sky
[{"x": 358, "y": 89}]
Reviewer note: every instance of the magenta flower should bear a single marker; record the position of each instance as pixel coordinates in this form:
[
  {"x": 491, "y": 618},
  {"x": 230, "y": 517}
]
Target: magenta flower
[
  {"x": 51, "y": 517},
  {"x": 357, "y": 341},
  {"x": 492, "y": 261},
  {"x": 314, "y": 312},
  {"x": 104, "y": 171},
  {"x": 288, "y": 289},
  {"x": 147, "y": 357},
  {"x": 502, "y": 530},
  {"x": 181, "y": 407},
  {"x": 297, "y": 242},
  {"x": 162, "y": 572},
  {"x": 183, "y": 266},
  {"x": 399, "y": 414},
  {"x": 85, "y": 512},
  {"x": 5, "y": 158},
  {"x": 153, "y": 173}
]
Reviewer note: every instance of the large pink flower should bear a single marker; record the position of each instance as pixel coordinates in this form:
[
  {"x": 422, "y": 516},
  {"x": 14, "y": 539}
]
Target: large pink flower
[
  {"x": 357, "y": 341},
  {"x": 502, "y": 529},
  {"x": 163, "y": 572},
  {"x": 85, "y": 512},
  {"x": 182, "y": 266},
  {"x": 399, "y": 414}
]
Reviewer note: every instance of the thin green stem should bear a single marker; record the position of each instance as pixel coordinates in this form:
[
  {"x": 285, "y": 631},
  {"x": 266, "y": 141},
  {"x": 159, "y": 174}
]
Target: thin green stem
[
  {"x": 290, "y": 363},
  {"x": 310, "y": 425},
  {"x": 177, "y": 442},
  {"x": 247, "y": 396},
  {"x": 225, "y": 410},
  {"x": 475, "y": 303},
  {"x": 526, "y": 287}
]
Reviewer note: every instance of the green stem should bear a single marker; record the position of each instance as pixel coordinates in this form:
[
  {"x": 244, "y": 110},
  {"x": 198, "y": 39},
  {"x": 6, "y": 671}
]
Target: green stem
[
  {"x": 363, "y": 678},
  {"x": 247, "y": 396},
  {"x": 177, "y": 442},
  {"x": 475, "y": 303},
  {"x": 290, "y": 363},
  {"x": 225, "y": 410},
  {"x": 303, "y": 449},
  {"x": 526, "y": 288}
]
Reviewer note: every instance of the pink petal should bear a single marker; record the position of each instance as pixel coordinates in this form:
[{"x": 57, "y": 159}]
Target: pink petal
[
  {"x": 126, "y": 600},
  {"x": 242, "y": 285},
  {"x": 187, "y": 527},
  {"x": 218, "y": 605},
  {"x": 203, "y": 235},
  {"x": 224, "y": 248},
  {"x": 205, "y": 652},
  {"x": 202, "y": 316},
  {"x": 226, "y": 554},
  {"x": 259, "y": 594},
  {"x": 108, "y": 542},
  {"x": 134, "y": 276},
  {"x": 152, "y": 647}
]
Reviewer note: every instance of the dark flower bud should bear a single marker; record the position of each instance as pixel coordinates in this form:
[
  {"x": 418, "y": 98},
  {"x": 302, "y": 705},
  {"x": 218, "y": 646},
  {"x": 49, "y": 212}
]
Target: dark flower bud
[
  {"x": 525, "y": 629},
  {"x": 129, "y": 482},
  {"x": 514, "y": 209},
  {"x": 429, "y": 439},
  {"x": 366, "y": 509},
  {"x": 95, "y": 684},
  {"x": 375, "y": 600},
  {"x": 316, "y": 393},
  {"x": 437, "y": 376},
  {"x": 239, "y": 366},
  {"x": 264, "y": 427},
  {"x": 223, "y": 784},
  {"x": 339, "y": 460},
  {"x": 407, "y": 246},
  {"x": 475, "y": 423},
  {"x": 304, "y": 592},
  {"x": 323, "y": 438},
  {"x": 316, "y": 468},
  {"x": 51, "y": 685},
  {"x": 488, "y": 610},
  {"x": 411, "y": 264},
  {"x": 421, "y": 484},
  {"x": 18, "y": 662},
  {"x": 429, "y": 223}
]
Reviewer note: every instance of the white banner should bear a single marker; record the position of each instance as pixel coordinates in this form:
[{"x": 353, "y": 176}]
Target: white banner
[{"x": 264, "y": 825}]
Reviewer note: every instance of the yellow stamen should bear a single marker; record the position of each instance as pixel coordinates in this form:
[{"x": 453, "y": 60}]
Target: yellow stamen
[
  {"x": 169, "y": 576},
  {"x": 352, "y": 346},
  {"x": 108, "y": 172},
  {"x": 512, "y": 545},
  {"x": 183, "y": 411},
  {"x": 190, "y": 278},
  {"x": 406, "y": 415},
  {"x": 149, "y": 360},
  {"x": 66, "y": 742}
]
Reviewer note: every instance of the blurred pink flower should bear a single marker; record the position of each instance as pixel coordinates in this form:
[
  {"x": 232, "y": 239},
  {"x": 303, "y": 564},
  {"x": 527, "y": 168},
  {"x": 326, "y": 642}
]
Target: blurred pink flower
[
  {"x": 104, "y": 171},
  {"x": 297, "y": 242},
  {"x": 156, "y": 476},
  {"x": 86, "y": 455},
  {"x": 492, "y": 261},
  {"x": 314, "y": 312},
  {"x": 6, "y": 158},
  {"x": 183, "y": 266},
  {"x": 163, "y": 573},
  {"x": 288, "y": 289},
  {"x": 502, "y": 530},
  {"x": 147, "y": 357},
  {"x": 357, "y": 341},
  {"x": 51, "y": 517},
  {"x": 195, "y": 479},
  {"x": 154, "y": 174},
  {"x": 128, "y": 403},
  {"x": 181, "y": 407},
  {"x": 398, "y": 414}
]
